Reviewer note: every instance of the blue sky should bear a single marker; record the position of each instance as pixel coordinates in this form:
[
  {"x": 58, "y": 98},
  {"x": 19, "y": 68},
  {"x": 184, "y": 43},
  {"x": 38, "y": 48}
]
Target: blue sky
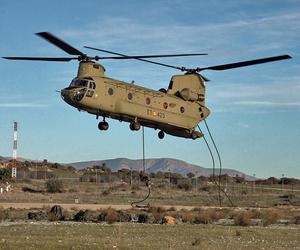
[{"x": 255, "y": 111}]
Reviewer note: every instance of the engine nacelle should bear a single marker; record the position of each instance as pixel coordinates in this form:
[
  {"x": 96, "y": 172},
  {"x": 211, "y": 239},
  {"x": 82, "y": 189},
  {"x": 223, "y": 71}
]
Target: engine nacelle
[{"x": 190, "y": 87}]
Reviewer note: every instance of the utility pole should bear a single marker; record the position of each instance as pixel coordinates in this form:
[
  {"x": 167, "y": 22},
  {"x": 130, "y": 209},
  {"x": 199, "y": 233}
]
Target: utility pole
[
  {"x": 14, "y": 163},
  {"x": 169, "y": 179},
  {"x": 131, "y": 177},
  {"x": 96, "y": 176},
  {"x": 282, "y": 183},
  {"x": 254, "y": 183}
]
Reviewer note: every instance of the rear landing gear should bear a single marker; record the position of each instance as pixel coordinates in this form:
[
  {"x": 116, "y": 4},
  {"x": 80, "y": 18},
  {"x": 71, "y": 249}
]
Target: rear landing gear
[
  {"x": 196, "y": 134},
  {"x": 161, "y": 134},
  {"x": 103, "y": 125},
  {"x": 135, "y": 126}
]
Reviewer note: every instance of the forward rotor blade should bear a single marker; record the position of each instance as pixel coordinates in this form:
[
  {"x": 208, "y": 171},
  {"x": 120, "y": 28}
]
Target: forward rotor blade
[
  {"x": 140, "y": 59},
  {"x": 60, "y": 43},
  {"x": 50, "y": 59},
  {"x": 246, "y": 63}
]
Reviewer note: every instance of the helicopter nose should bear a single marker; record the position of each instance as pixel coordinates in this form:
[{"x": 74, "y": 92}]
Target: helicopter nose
[{"x": 73, "y": 95}]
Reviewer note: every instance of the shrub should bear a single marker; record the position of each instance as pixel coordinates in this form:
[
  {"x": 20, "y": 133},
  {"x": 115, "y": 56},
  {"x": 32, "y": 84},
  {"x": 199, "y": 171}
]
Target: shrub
[
  {"x": 242, "y": 219},
  {"x": 206, "y": 216},
  {"x": 106, "y": 192},
  {"x": 111, "y": 215},
  {"x": 270, "y": 216},
  {"x": 135, "y": 187},
  {"x": 158, "y": 213},
  {"x": 187, "y": 216},
  {"x": 172, "y": 209},
  {"x": 185, "y": 186},
  {"x": 54, "y": 186},
  {"x": 3, "y": 214}
]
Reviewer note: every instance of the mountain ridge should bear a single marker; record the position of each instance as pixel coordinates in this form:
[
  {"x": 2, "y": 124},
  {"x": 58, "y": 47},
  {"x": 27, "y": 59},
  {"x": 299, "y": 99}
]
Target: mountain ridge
[{"x": 152, "y": 165}]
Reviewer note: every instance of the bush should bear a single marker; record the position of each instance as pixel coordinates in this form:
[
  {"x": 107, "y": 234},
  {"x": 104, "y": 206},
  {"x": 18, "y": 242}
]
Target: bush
[
  {"x": 54, "y": 186},
  {"x": 242, "y": 219},
  {"x": 105, "y": 192},
  {"x": 3, "y": 214},
  {"x": 186, "y": 186},
  {"x": 187, "y": 216},
  {"x": 135, "y": 187},
  {"x": 206, "y": 216},
  {"x": 270, "y": 216},
  {"x": 111, "y": 215},
  {"x": 158, "y": 213}
]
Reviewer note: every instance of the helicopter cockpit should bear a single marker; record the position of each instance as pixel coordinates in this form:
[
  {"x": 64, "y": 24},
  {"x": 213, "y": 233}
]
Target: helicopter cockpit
[{"x": 83, "y": 82}]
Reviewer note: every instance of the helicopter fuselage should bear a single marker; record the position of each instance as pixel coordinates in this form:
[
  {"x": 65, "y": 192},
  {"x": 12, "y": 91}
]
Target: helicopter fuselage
[{"x": 107, "y": 97}]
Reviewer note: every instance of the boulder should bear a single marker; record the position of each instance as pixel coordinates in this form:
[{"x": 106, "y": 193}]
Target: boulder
[
  {"x": 82, "y": 215},
  {"x": 37, "y": 215},
  {"x": 56, "y": 213},
  {"x": 169, "y": 220}
]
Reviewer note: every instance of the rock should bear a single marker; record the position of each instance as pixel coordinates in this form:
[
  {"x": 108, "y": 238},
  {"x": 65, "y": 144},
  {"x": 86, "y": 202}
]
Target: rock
[
  {"x": 37, "y": 215},
  {"x": 101, "y": 216},
  {"x": 145, "y": 218},
  {"x": 124, "y": 217},
  {"x": 82, "y": 215},
  {"x": 169, "y": 220},
  {"x": 56, "y": 213}
]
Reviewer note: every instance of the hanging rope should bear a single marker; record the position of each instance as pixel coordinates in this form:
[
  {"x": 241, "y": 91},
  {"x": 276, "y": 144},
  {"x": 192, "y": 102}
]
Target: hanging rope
[
  {"x": 148, "y": 182},
  {"x": 218, "y": 184}
]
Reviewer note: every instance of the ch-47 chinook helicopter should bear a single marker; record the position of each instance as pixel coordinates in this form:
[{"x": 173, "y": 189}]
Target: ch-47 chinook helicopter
[{"x": 176, "y": 111}]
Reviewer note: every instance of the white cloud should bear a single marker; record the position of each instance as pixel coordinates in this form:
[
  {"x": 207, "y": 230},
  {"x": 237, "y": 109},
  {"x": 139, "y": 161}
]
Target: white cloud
[
  {"x": 268, "y": 33},
  {"x": 268, "y": 104},
  {"x": 22, "y": 105}
]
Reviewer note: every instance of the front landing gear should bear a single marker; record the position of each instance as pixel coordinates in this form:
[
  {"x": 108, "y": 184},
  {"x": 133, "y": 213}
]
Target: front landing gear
[
  {"x": 103, "y": 125},
  {"x": 161, "y": 134}
]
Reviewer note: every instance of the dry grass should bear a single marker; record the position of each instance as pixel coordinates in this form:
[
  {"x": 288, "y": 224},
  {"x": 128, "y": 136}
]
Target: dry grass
[{"x": 144, "y": 236}]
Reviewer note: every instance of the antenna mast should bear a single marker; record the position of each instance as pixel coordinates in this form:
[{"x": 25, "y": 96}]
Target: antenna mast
[{"x": 14, "y": 163}]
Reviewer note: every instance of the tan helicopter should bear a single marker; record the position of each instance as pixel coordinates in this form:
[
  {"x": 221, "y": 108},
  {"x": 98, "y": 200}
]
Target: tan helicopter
[{"x": 176, "y": 111}]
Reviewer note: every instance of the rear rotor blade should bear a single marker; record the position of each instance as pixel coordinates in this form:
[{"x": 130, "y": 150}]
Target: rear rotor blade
[
  {"x": 50, "y": 59},
  {"x": 122, "y": 56},
  {"x": 245, "y": 63},
  {"x": 60, "y": 43}
]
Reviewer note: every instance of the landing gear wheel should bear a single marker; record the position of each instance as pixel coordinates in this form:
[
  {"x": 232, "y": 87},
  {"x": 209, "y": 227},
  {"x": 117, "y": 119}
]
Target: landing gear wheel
[
  {"x": 161, "y": 134},
  {"x": 135, "y": 126},
  {"x": 194, "y": 135},
  {"x": 103, "y": 126}
]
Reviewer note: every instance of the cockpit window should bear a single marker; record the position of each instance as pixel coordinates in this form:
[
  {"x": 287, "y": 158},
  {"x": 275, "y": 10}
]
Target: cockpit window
[
  {"x": 79, "y": 83},
  {"x": 82, "y": 83}
]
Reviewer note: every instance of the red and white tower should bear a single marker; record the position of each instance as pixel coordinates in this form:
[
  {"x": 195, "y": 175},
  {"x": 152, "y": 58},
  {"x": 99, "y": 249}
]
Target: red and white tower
[{"x": 14, "y": 165}]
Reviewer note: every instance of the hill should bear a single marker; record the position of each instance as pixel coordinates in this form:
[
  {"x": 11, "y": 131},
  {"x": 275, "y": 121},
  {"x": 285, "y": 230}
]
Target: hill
[{"x": 156, "y": 165}]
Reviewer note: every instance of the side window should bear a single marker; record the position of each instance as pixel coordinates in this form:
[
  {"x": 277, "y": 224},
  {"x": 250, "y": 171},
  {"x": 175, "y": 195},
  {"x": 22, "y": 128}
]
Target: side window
[
  {"x": 89, "y": 93},
  {"x": 110, "y": 91},
  {"x": 170, "y": 85}
]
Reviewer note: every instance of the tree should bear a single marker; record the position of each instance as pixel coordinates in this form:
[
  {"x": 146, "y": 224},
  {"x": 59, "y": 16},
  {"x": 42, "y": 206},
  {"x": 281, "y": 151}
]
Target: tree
[
  {"x": 5, "y": 174},
  {"x": 54, "y": 186},
  {"x": 190, "y": 175}
]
